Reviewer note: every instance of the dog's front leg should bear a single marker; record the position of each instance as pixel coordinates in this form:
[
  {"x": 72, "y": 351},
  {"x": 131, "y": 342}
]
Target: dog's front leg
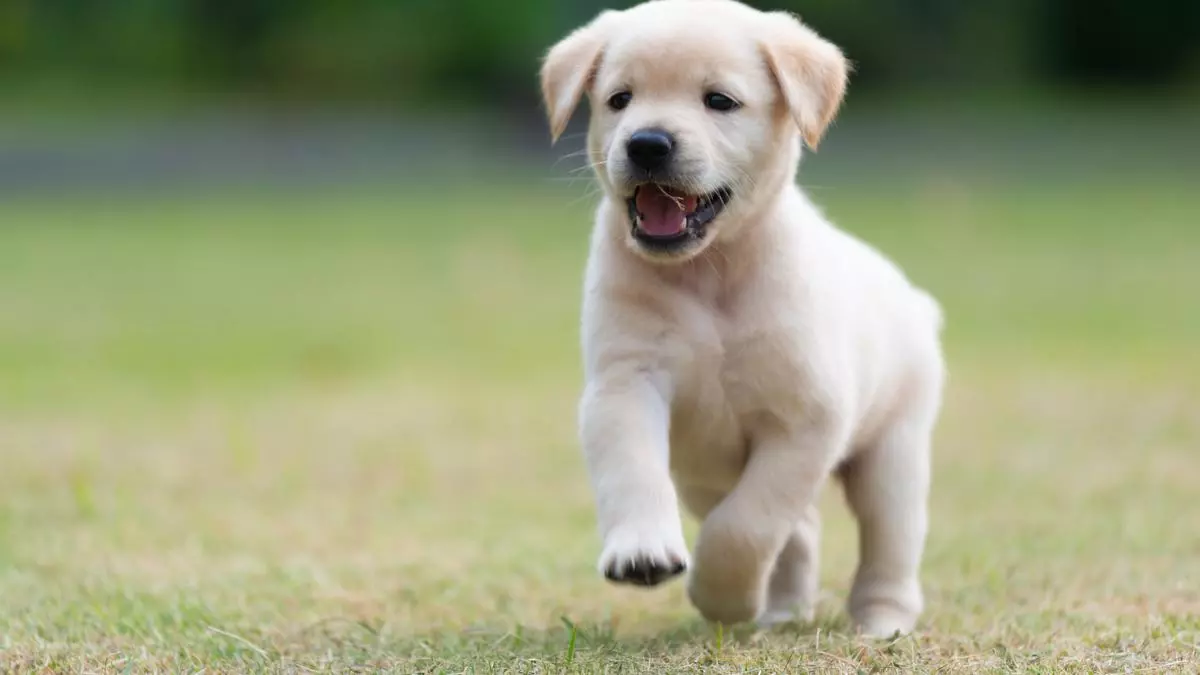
[
  {"x": 743, "y": 536},
  {"x": 624, "y": 427}
]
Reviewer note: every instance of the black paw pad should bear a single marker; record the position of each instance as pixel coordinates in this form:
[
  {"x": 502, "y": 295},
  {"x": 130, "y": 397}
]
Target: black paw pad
[{"x": 643, "y": 571}]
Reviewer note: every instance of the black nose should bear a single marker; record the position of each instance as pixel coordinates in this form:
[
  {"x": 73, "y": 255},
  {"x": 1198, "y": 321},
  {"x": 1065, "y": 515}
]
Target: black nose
[{"x": 650, "y": 149}]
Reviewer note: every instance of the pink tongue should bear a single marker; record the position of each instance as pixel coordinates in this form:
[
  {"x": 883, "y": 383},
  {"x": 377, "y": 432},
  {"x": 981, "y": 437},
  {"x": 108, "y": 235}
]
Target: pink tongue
[{"x": 664, "y": 214}]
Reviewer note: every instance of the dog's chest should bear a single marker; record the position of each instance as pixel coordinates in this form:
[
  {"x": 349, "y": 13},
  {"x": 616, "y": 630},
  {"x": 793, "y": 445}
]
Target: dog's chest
[{"x": 726, "y": 381}]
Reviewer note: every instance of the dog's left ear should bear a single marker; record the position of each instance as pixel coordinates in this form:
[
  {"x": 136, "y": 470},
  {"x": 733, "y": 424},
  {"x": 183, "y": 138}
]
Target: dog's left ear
[
  {"x": 569, "y": 68},
  {"x": 810, "y": 72}
]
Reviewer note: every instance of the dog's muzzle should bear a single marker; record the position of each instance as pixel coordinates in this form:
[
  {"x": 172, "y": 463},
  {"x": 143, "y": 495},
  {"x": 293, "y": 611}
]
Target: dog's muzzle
[{"x": 664, "y": 218}]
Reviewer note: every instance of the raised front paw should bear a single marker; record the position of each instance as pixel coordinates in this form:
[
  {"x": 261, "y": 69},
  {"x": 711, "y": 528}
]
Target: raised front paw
[{"x": 643, "y": 556}]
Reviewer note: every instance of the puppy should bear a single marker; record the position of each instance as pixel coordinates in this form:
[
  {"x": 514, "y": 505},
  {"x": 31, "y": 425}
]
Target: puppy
[{"x": 739, "y": 348}]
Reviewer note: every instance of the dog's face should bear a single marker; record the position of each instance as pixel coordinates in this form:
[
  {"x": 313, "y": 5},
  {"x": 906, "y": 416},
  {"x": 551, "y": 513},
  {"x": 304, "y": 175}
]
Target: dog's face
[{"x": 697, "y": 106}]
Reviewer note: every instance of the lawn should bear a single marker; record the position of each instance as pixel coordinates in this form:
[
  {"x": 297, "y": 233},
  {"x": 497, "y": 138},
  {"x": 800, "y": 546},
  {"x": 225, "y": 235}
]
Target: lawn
[{"x": 333, "y": 430}]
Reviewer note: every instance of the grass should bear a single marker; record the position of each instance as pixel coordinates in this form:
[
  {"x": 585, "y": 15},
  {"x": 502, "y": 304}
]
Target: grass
[{"x": 334, "y": 431}]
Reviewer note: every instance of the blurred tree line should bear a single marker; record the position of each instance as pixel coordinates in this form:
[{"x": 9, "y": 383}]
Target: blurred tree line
[{"x": 486, "y": 51}]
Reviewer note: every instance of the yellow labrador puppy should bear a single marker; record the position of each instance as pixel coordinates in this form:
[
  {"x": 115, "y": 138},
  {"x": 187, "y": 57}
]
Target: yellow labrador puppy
[{"x": 739, "y": 349}]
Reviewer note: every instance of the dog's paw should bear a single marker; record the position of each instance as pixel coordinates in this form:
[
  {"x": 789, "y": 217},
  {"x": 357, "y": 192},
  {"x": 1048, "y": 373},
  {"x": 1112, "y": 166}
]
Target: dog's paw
[
  {"x": 883, "y": 622},
  {"x": 885, "y": 610},
  {"x": 643, "y": 556},
  {"x": 780, "y": 616},
  {"x": 720, "y": 603}
]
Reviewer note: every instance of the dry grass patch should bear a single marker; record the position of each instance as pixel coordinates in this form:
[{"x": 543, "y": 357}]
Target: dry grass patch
[{"x": 423, "y": 528}]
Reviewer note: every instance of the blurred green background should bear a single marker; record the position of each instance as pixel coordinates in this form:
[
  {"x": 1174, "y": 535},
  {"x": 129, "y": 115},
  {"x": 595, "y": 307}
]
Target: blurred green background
[
  {"x": 288, "y": 311},
  {"x": 480, "y": 52},
  {"x": 1066, "y": 128},
  {"x": 142, "y": 92}
]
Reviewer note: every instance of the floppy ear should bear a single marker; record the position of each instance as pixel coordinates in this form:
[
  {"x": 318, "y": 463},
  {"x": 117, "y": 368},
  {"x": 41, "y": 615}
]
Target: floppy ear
[
  {"x": 569, "y": 68},
  {"x": 810, "y": 72}
]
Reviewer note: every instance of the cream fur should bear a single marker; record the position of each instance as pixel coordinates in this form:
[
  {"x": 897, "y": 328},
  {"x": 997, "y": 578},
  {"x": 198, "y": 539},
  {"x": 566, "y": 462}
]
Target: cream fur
[{"x": 738, "y": 376}]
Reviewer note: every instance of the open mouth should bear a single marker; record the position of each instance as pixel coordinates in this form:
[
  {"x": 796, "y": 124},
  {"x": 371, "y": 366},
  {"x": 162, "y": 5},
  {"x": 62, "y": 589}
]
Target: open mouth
[{"x": 664, "y": 217}]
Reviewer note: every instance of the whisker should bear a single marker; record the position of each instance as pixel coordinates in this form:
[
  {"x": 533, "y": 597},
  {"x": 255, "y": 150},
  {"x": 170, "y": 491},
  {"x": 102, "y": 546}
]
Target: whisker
[
  {"x": 570, "y": 159},
  {"x": 588, "y": 167},
  {"x": 590, "y": 194},
  {"x": 577, "y": 153},
  {"x": 711, "y": 263}
]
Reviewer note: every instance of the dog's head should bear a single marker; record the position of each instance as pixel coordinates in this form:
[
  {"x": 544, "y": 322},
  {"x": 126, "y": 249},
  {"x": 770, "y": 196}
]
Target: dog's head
[{"x": 697, "y": 111}]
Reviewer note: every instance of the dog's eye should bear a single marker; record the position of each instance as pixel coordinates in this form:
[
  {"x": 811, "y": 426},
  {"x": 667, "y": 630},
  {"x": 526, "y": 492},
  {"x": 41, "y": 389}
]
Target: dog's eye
[
  {"x": 619, "y": 100},
  {"x": 720, "y": 102}
]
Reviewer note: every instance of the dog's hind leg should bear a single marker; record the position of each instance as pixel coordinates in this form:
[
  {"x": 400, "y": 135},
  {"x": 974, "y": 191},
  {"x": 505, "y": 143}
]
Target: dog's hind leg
[{"x": 887, "y": 486}]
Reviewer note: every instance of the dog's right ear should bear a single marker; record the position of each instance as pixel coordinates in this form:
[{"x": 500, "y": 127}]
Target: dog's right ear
[{"x": 569, "y": 68}]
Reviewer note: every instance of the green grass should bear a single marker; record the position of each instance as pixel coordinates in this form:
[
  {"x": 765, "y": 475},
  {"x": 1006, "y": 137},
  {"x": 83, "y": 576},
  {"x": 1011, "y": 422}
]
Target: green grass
[{"x": 334, "y": 431}]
